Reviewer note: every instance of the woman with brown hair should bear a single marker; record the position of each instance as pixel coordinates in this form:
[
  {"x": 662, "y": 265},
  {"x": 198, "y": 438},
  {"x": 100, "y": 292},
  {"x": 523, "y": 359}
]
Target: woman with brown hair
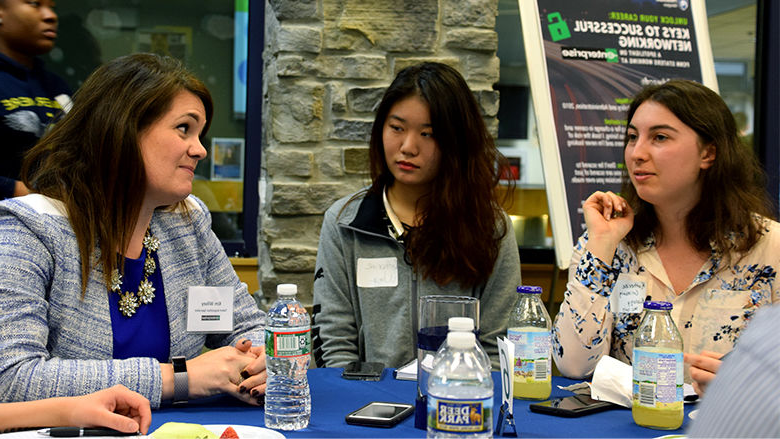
[
  {"x": 98, "y": 262},
  {"x": 692, "y": 227},
  {"x": 430, "y": 220}
]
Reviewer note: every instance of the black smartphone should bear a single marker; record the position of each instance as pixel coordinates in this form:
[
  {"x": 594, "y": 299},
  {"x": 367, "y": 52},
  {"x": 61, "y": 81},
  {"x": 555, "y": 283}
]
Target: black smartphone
[
  {"x": 380, "y": 414},
  {"x": 361, "y": 370},
  {"x": 571, "y": 406}
]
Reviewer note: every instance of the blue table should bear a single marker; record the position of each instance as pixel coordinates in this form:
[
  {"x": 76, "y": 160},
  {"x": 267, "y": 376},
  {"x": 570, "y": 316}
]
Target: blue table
[{"x": 333, "y": 397}]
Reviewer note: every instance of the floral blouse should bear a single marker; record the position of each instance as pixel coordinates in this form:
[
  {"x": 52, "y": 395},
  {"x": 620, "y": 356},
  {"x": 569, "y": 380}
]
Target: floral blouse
[{"x": 710, "y": 313}]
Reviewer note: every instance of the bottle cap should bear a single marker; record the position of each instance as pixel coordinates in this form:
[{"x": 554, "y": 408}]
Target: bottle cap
[
  {"x": 461, "y": 340},
  {"x": 286, "y": 289},
  {"x": 664, "y": 306},
  {"x": 461, "y": 324},
  {"x": 529, "y": 289}
]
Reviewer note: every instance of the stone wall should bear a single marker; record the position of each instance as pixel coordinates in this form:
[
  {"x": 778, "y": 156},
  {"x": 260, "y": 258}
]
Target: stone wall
[{"x": 326, "y": 65}]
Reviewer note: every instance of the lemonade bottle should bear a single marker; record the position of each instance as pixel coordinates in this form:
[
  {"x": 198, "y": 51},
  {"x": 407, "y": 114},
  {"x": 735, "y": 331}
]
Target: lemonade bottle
[
  {"x": 658, "y": 370},
  {"x": 529, "y": 330}
]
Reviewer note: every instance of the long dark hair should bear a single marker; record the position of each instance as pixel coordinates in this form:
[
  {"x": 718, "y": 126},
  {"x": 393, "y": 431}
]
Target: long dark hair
[
  {"x": 460, "y": 231},
  {"x": 733, "y": 186},
  {"x": 91, "y": 159}
]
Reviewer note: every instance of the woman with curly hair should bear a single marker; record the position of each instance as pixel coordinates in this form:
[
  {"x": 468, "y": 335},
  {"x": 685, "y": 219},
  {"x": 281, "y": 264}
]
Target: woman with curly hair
[
  {"x": 692, "y": 228},
  {"x": 429, "y": 223}
]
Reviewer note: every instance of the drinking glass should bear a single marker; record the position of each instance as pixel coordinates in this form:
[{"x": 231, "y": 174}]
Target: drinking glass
[{"x": 433, "y": 313}]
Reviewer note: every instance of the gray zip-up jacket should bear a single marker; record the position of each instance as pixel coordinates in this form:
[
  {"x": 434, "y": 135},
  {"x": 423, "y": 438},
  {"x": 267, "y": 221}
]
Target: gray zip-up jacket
[{"x": 378, "y": 323}]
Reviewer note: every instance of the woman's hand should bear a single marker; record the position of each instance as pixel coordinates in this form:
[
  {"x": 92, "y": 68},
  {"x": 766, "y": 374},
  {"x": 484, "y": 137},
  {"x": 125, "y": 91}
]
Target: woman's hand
[
  {"x": 704, "y": 366},
  {"x": 219, "y": 371},
  {"x": 608, "y": 218},
  {"x": 254, "y": 373},
  {"x": 116, "y": 407}
]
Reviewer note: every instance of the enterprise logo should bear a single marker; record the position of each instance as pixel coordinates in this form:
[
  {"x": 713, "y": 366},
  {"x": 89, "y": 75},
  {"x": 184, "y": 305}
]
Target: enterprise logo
[
  {"x": 584, "y": 53},
  {"x": 682, "y": 4}
]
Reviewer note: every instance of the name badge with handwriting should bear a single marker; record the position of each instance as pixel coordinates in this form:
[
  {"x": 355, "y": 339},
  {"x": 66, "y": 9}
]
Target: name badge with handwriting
[
  {"x": 210, "y": 309},
  {"x": 628, "y": 294},
  {"x": 377, "y": 272}
]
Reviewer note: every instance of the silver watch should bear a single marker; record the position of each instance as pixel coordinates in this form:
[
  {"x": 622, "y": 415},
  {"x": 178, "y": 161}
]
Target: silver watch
[{"x": 181, "y": 384}]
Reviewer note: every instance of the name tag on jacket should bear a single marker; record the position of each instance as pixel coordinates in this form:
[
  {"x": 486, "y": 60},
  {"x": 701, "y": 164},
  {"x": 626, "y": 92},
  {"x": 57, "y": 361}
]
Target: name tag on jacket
[
  {"x": 210, "y": 309},
  {"x": 377, "y": 272}
]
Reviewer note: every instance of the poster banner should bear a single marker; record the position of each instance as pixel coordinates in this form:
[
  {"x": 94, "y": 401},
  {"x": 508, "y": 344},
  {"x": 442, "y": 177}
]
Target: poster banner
[
  {"x": 594, "y": 56},
  {"x": 227, "y": 161}
]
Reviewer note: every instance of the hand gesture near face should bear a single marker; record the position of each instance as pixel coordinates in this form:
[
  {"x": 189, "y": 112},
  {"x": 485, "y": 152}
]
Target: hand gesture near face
[{"x": 608, "y": 218}]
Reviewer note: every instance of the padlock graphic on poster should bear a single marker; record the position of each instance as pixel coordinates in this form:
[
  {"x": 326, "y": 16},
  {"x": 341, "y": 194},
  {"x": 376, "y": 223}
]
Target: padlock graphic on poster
[{"x": 558, "y": 28}]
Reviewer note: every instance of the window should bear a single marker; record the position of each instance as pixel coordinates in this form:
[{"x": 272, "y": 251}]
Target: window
[{"x": 210, "y": 37}]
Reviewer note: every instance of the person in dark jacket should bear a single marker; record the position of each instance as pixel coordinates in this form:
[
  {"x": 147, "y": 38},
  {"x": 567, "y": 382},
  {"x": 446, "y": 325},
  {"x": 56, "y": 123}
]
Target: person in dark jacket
[{"x": 30, "y": 96}]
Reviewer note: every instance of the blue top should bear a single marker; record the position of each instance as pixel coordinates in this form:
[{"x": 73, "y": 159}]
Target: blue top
[
  {"x": 529, "y": 289},
  {"x": 146, "y": 333}
]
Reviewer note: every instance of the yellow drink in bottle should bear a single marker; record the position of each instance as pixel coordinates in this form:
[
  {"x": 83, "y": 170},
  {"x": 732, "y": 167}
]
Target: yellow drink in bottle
[
  {"x": 529, "y": 331},
  {"x": 532, "y": 377},
  {"x": 527, "y": 388},
  {"x": 658, "y": 370},
  {"x": 667, "y": 418}
]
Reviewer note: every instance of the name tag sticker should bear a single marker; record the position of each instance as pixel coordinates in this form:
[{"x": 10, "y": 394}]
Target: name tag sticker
[
  {"x": 628, "y": 294},
  {"x": 377, "y": 272},
  {"x": 210, "y": 309}
]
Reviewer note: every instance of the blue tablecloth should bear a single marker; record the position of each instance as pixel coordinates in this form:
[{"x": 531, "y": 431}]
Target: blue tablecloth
[{"x": 334, "y": 397}]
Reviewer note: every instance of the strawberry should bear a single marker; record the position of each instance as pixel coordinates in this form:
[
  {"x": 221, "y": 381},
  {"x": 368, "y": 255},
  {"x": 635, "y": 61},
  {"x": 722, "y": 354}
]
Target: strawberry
[{"x": 229, "y": 433}]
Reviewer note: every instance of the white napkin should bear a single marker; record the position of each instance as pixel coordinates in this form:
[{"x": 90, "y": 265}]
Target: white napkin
[
  {"x": 612, "y": 381},
  {"x": 582, "y": 388}
]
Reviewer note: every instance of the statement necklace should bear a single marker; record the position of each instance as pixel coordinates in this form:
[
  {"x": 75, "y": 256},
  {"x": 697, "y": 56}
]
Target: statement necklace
[{"x": 130, "y": 301}]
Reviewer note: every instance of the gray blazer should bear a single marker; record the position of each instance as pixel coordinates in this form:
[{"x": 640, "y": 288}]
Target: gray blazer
[{"x": 53, "y": 342}]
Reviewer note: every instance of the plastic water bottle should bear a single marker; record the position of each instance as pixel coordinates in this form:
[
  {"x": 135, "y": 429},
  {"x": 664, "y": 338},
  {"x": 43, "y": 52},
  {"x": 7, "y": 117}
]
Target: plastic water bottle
[
  {"x": 288, "y": 351},
  {"x": 460, "y": 392},
  {"x": 529, "y": 330},
  {"x": 463, "y": 324},
  {"x": 658, "y": 370}
]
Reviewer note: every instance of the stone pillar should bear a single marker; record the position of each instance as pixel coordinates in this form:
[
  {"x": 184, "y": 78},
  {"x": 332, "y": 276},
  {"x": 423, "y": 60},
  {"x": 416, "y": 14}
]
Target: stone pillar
[{"x": 326, "y": 65}]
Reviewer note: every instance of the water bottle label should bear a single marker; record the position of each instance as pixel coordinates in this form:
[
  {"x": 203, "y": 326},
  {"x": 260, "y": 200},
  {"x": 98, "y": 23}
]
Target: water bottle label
[
  {"x": 532, "y": 355},
  {"x": 658, "y": 378},
  {"x": 460, "y": 416},
  {"x": 290, "y": 343}
]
